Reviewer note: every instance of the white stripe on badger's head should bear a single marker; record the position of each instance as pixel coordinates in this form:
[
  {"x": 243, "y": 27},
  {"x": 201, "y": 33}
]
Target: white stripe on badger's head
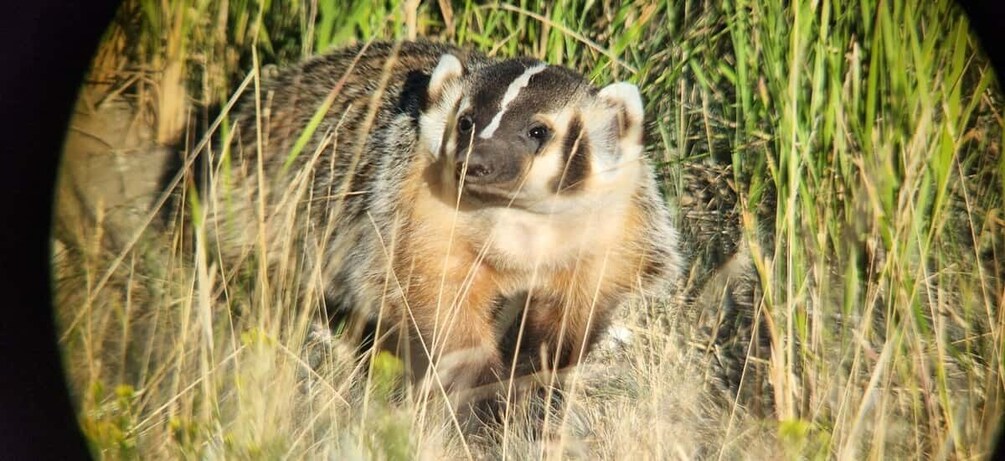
[{"x": 512, "y": 91}]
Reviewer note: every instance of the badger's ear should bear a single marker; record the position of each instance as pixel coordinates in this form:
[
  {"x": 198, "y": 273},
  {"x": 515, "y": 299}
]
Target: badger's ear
[
  {"x": 625, "y": 98},
  {"x": 448, "y": 69}
]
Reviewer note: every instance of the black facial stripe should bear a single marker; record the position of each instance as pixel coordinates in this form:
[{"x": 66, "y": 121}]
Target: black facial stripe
[{"x": 575, "y": 158}]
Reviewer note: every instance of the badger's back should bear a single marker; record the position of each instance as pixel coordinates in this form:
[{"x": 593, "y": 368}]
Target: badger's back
[{"x": 373, "y": 95}]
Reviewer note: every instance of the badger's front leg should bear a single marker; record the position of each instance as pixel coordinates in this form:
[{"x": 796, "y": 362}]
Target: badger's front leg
[
  {"x": 453, "y": 345},
  {"x": 463, "y": 350},
  {"x": 550, "y": 334},
  {"x": 561, "y": 330}
]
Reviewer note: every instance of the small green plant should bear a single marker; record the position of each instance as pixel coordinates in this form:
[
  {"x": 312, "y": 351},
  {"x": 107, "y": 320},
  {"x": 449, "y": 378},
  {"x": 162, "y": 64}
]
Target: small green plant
[{"x": 109, "y": 423}]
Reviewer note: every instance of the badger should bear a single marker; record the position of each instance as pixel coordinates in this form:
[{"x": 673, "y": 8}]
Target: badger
[{"x": 485, "y": 216}]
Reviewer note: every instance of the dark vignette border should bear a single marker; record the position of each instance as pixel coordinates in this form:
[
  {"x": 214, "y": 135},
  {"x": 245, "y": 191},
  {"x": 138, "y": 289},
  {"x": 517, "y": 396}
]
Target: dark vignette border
[{"x": 45, "y": 48}]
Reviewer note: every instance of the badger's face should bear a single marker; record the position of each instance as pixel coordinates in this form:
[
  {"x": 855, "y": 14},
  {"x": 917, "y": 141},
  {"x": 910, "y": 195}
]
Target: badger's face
[{"x": 525, "y": 134}]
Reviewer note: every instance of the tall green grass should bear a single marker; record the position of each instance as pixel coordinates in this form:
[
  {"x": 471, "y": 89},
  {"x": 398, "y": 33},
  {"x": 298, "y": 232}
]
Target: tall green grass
[{"x": 862, "y": 140}]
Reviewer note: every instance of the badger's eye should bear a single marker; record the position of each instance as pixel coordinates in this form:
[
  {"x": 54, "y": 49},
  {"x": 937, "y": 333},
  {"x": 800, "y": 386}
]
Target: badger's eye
[
  {"x": 538, "y": 132},
  {"x": 464, "y": 124}
]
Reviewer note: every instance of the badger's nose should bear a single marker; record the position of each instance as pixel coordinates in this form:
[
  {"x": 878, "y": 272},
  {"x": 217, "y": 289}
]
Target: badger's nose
[
  {"x": 488, "y": 161},
  {"x": 475, "y": 168}
]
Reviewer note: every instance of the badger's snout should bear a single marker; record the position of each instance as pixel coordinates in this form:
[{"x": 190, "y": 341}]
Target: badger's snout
[{"x": 488, "y": 162}]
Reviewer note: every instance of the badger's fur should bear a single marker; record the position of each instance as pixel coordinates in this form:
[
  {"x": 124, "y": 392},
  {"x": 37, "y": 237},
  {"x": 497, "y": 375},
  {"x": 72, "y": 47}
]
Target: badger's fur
[{"x": 475, "y": 209}]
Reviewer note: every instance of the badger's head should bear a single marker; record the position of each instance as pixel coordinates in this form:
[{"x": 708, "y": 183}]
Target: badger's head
[{"x": 525, "y": 134}]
